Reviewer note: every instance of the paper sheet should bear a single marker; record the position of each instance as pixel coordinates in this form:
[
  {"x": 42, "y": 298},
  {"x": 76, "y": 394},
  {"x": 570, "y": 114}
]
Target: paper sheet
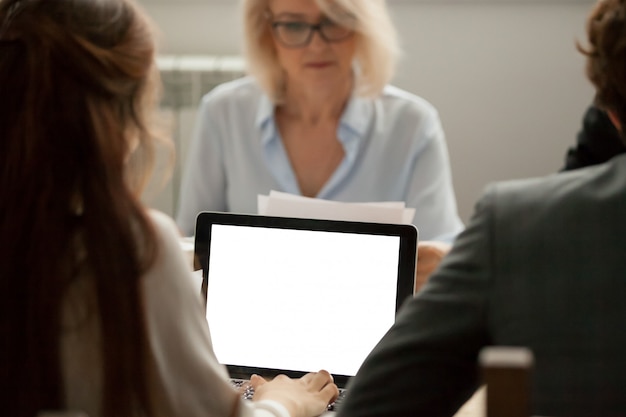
[{"x": 289, "y": 205}]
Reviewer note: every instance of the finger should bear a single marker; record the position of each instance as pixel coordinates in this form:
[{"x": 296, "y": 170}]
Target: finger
[
  {"x": 256, "y": 381},
  {"x": 329, "y": 393},
  {"x": 320, "y": 380},
  {"x": 326, "y": 374},
  {"x": 307, "y": 378}
]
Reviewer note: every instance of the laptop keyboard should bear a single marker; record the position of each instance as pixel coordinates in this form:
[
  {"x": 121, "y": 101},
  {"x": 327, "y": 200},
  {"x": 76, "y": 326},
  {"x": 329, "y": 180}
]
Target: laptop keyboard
[
  {"x": 243, "y": 386},
  {"x": 247, "y": 392},
  {"x": 334, "y": 406}
]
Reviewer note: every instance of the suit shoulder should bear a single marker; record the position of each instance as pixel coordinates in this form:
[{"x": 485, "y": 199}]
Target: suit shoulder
[{"x": 562, "y": 191}]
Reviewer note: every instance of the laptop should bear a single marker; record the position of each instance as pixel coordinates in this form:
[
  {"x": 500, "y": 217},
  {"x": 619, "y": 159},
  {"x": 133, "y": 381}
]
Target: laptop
[{"x": 292, "y": 295}]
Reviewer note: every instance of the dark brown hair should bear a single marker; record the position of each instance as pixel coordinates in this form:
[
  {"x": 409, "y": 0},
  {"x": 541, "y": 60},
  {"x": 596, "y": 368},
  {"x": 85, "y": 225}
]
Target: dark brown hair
[
  {"x": 606, "y": 55},
  {"x": 76, "y": 82}
]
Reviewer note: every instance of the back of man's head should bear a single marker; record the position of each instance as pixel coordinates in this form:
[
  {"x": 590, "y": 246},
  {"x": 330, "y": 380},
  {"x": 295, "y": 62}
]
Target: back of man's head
[{"x": 606, "y": 55}]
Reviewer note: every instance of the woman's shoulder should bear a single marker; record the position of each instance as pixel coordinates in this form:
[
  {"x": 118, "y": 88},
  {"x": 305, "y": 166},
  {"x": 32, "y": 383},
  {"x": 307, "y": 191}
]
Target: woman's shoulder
[
  {"x": 407, "y": 104},
  {"x": 240, "y": 90},
  {"x": 395, "y": 96},
  {"x": 172, "y": 261},
  {"x": 168, "y": 235},
  {"x": 241, "y": 97},
  {"x": 164, "y": 225}
]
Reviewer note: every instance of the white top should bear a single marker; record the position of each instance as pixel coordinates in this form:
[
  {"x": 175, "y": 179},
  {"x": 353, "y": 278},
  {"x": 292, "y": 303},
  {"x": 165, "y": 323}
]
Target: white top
[
  {"x": 187, "y": 379},
  {"x": 394, "y": 145}
]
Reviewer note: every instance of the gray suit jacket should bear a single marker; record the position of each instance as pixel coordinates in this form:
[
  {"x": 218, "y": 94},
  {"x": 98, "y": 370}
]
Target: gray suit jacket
[{"x": 542, "y": 264}]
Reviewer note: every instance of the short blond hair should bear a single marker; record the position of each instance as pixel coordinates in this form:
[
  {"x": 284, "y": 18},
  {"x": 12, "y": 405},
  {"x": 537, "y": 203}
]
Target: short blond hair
[{"x": 377, "y": 47}]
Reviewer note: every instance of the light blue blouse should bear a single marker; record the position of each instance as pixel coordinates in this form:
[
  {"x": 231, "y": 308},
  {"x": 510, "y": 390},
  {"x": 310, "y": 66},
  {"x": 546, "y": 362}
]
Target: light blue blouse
[{"x": 394, "y": 145}]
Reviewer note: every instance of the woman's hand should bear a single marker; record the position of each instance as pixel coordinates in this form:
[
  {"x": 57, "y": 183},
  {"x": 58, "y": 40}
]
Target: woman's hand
[
  {"x": 429, "y": 255},
  {"x": 305, "y": 397}
]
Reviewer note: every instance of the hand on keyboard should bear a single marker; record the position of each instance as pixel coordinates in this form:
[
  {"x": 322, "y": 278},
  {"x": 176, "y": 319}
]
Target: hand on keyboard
[{"x": 304, "y": 397}]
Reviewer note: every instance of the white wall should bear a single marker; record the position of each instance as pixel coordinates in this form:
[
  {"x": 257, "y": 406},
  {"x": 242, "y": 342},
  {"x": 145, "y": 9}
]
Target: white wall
[{"x": 504, "y": 74}]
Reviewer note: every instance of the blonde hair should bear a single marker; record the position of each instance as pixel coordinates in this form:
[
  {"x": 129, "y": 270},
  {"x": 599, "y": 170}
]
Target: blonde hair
[{"x": 377, "y": 46}]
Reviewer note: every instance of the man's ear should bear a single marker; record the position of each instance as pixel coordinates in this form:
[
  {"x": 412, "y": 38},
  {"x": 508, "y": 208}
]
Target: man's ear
[{"x": 614, "y": 120}]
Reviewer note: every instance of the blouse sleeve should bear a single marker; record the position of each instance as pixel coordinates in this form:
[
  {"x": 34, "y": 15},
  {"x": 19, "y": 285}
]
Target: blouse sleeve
[
  {"x": 186, "y": 378},
  {"x": 430, "y": 188},
  {"x": 203, "y": 183}
]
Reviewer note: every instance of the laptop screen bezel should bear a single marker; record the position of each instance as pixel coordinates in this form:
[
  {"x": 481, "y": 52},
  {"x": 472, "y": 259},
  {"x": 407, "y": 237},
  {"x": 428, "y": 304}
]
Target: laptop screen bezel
[{"x": 407, "y": 260}]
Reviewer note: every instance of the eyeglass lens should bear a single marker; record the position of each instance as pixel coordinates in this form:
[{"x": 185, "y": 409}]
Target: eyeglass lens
[{"x": 294, "y": 33}]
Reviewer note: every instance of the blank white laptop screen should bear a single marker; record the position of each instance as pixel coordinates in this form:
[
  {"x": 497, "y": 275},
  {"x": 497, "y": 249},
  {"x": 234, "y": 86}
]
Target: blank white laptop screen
[{"x": 298, "y": 299}]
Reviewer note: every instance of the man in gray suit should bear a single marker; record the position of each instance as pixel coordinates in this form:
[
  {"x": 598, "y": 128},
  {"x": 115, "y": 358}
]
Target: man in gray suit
[{"x": 542, "y": 264}]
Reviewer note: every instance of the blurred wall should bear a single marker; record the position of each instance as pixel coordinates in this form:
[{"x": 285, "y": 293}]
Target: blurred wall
[{"x": 504, "y": 74}]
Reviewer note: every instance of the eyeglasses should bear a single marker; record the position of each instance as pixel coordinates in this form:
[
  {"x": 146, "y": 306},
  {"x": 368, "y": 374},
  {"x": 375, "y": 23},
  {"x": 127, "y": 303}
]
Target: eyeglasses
[{"x": 296, "y": 34}]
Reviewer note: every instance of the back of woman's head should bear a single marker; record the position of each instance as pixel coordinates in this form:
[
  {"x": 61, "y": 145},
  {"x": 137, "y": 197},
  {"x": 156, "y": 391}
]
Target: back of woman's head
[
  {"x": 76, "y": 82},
  {"x": 606, "y": 55},
  {"x": 70, "y": 70}
]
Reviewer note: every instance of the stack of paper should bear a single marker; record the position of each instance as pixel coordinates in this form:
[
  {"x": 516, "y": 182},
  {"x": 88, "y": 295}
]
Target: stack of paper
[{"x": 289, "y": 205}]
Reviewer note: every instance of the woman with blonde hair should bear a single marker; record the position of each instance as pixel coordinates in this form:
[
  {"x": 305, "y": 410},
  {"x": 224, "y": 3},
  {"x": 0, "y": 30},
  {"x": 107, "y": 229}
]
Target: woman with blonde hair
[
  {"x": 318, "y": 118},
  {"x": 100, "y": 310}
]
